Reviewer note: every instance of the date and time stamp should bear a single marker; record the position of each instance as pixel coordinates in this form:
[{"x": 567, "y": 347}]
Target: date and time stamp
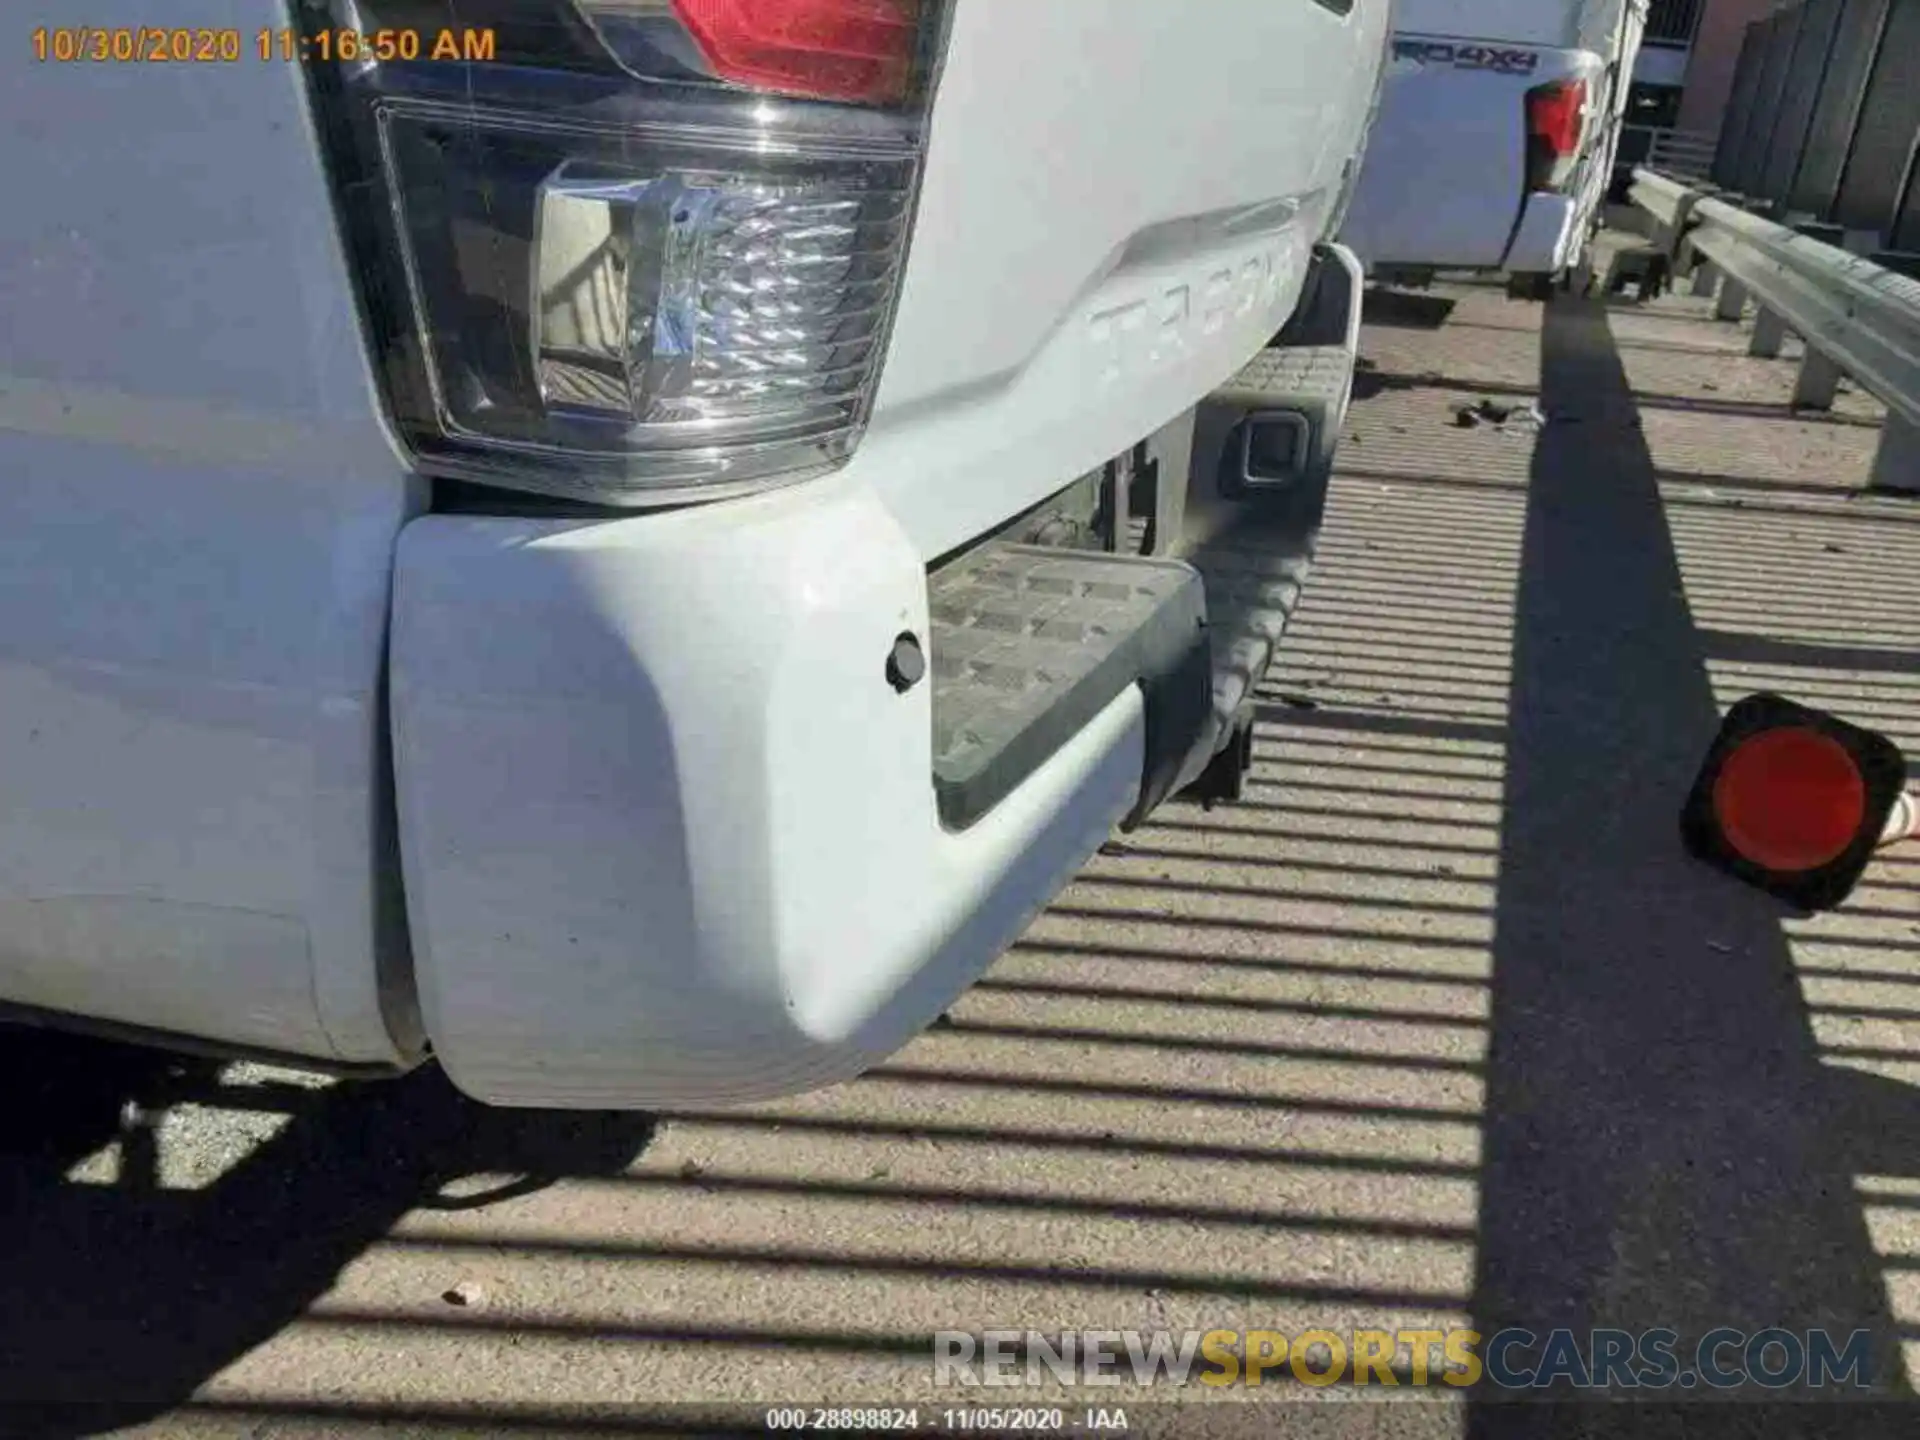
[{"x": 227, "y": 45}]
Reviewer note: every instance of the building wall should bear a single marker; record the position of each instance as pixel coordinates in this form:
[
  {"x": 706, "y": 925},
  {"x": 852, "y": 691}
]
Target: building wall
[
  {"x": 1714, "y": 58},
  {"x": 1660, "y": 65}
]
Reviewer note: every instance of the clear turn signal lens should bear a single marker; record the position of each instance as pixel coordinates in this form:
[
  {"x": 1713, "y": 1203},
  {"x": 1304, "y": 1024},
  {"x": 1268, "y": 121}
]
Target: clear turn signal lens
[
  {"x": 592, "y": 269},
  {"x": 711, "y": 302}
]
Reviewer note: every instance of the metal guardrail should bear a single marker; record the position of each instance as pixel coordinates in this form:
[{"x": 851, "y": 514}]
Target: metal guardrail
[
  {"x": 1669, "y": 201},
  {"x": 1858, "y": 319}
]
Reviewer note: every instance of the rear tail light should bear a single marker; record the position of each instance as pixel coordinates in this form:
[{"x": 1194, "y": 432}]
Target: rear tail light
[
  {"x": 832, "y": 49},
  {"x": 646, "y": 252},
  {"x": 1556, "y": 125}
]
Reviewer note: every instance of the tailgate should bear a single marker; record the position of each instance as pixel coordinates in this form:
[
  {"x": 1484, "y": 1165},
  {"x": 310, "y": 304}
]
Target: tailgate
[
  {"x": 1117, "y": 208},
  {"x": 1445, "y": 175}
]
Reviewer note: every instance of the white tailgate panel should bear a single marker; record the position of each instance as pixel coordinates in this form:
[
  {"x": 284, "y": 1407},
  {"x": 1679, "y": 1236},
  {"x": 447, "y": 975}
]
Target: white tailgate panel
[
  {"x": 1118, "y": 207},
  {"x": 1445, "y": 169}
]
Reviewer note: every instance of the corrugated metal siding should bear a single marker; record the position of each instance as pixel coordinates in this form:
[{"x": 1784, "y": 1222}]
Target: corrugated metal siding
[
  {"x": 1883, "y": 145},
  {"x": 1817, "y": 184},
  {"x": 1746, "y": 85},
  {"x": 1780, "y": 32},
  {"x": 1811, "y": 51}
]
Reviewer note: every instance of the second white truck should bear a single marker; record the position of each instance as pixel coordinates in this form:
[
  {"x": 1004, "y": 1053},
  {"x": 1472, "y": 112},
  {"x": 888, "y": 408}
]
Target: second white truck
[{"x": 1495, "y": 139}]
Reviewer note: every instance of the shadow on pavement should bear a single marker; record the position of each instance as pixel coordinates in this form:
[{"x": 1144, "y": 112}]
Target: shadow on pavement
[
  {"x": 1372, "y": 382},
  {"x": 120, "y": 1299},
  {"x": 1404, "y": 310},
  {"x": 1663, "y": 1146}
]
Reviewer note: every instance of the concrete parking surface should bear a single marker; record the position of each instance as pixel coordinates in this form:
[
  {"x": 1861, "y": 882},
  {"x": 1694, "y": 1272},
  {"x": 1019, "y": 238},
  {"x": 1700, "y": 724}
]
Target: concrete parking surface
[{"x": 1438, "y": 1028}]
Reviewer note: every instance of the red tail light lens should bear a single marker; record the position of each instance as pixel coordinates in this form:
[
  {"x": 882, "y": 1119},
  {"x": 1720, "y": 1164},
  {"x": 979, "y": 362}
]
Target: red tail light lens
[
  {"x": 857, "y": 50},
  {"x": 1555, "y": 114},
  {"x": 1556, "y": 124}
]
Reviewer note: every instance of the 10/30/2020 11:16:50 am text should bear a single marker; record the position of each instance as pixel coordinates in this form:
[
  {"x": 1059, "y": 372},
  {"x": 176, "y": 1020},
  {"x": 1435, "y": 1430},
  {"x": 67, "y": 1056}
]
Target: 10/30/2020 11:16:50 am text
[{"x": 186, "y": 45}]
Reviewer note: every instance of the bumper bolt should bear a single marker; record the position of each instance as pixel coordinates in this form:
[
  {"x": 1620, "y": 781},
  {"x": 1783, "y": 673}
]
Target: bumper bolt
[{"x": 906, "y": 663}]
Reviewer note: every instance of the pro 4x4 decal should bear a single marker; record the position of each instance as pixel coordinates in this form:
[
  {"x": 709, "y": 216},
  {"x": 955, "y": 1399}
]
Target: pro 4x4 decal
[{"x": 1499, "y": 58}]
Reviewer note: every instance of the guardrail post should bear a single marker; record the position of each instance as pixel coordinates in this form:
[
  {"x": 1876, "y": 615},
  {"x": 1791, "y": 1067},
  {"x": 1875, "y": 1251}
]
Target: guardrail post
[
  {"x": 1897, "y": 465},
  {"x": 1733, "y": 301},
  {"x": 1769, "y": 334},
  {"x": 1706, "y": 279},
  {"x": 1819, "y": 383}
]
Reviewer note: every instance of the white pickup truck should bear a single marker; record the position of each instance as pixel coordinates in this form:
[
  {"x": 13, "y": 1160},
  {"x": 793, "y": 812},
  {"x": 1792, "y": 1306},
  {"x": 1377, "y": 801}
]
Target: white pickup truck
[
  {"x": 1494, "y": 148},
  {"x": 630, "y": 545}
]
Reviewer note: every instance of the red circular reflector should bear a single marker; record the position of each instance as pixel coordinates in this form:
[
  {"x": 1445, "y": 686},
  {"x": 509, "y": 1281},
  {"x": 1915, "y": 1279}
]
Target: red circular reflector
[{"x": 1790, "y": 799}]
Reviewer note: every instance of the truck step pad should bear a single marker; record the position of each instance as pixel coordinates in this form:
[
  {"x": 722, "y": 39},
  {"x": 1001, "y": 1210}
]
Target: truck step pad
[
  {"x": 1316, "y": 375},
  {"x": 1030, "y": 643}
]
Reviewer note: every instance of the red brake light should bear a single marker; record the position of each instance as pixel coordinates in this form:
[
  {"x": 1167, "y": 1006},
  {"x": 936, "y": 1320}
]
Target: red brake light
[
  {"x": 1554, "y": 113},
  {"x": 1556, "y": 122},
  {"x": 857, "y": 50}
]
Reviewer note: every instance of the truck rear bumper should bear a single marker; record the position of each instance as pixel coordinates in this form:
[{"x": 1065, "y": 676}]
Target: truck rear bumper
[
  {"x": 669, "y": 833},
  {"x": 1547, "y": 237}
]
